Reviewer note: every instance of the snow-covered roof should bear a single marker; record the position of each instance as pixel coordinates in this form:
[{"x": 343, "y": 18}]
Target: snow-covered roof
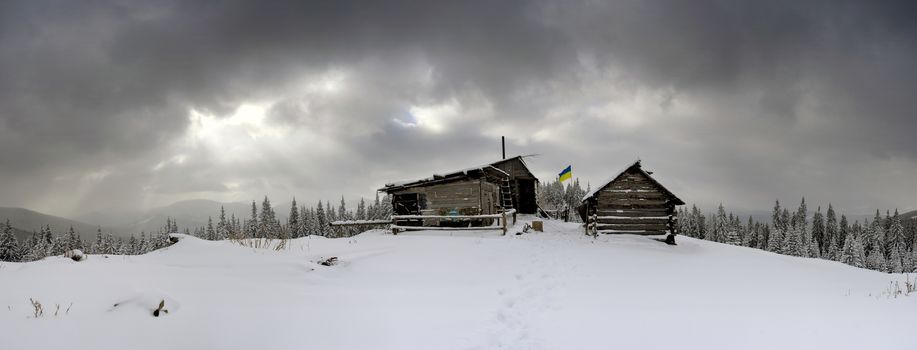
[
  {"x": 635, "y": 165},
  {"x": 485, "y": 169}
]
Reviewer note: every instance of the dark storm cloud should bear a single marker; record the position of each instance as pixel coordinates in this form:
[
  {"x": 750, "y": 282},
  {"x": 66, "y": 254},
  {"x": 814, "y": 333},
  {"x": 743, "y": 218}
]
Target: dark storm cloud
[{"x": 741, "y": 102}]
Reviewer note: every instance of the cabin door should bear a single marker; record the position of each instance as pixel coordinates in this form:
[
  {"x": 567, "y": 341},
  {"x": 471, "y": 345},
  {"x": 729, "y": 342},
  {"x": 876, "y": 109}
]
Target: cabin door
[{"x": 526, "y": 189}]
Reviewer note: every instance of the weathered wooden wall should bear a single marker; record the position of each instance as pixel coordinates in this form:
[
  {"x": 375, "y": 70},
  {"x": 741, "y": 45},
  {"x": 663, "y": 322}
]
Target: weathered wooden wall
[
  {"x": 518, "y": 171},
  {"x": 465, "y": 194},
  {"x": 632, "y": 204}
]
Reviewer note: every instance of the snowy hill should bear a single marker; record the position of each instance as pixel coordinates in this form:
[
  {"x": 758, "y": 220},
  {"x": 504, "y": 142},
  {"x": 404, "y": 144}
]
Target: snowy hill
[{"x": 455, "y": 290}]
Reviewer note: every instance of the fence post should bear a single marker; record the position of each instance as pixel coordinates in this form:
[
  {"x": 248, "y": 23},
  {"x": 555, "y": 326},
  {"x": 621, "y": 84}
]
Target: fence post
[{"x": 504, "y": 223}]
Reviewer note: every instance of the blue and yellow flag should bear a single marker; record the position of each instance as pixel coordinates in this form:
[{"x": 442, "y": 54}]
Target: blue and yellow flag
[{"x": 566, "y": 174}]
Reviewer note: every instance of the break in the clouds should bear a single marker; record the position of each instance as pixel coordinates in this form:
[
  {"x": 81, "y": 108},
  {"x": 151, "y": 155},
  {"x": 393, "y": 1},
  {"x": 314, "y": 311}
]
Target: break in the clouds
[{"x": 120, "y": 104}]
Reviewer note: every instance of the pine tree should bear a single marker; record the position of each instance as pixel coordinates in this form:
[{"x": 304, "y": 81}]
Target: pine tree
[
  {"x": 109, "y": 246},
  {"x": 792, "y": 242},
  {"x": 361, "y": 210},
  {"x": 842, "y": 230},
  {"x": 223, "y": 226},
  {"x": 73, "y": 240},
  {"x": 266, "y": 223},
  {"x": 895, "y": 263},
  {"x": 875, "y": 260},
  {"x": 321, "y": 221},
  {"x": 852, "y": 253},
  {"x": 293, "y": 224},
  {"x": 58, "y": 246},
  {"x": 818, "y": 231},
  {"x": 133, "y": 247},
  {"x": 97, "y": 245},
  {"x": 36, "y": 248},
  {"x": 9, "y": 245},
  {"x": 143, "y": 245},
  {"x": 251, "y": 230},
  {"x": 896, "y": 235},
  {"x": 211, "y": 233},
  {"x": 802, "y": 215},
  {"x": 830, "y": 231},
  {"x": 720, "y": 226}
]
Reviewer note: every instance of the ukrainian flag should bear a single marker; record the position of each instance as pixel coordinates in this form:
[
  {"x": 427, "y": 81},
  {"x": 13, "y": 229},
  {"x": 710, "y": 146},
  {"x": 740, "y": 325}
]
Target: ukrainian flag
[{"x": 566, "y": 174}]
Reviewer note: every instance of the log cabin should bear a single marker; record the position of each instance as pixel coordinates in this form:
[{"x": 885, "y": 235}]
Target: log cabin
[
  {"x": 472, "y": 191},
  {"x": 631, "y": 203}
]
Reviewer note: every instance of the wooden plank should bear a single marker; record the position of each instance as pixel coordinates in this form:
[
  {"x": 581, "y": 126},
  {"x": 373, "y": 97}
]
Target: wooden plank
[
  {"x": 632, "y": 195},
  {"x": 435, "y": 228},
  {"x": 644, "y": 233},
  {"x": 633, "y": 227},
  {"x": 632, "y": 207},
  {"x": 630, "y": 201},
  {"x": 634, "y": 212},
  {"x": 639, "y": 221}
]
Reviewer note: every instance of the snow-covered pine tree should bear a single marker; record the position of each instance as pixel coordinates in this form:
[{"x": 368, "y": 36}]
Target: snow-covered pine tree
[
  {"x": 361, "y": 210},
  {"x": 818, "y": 231},
  {"x": 830, "y": 231},
  {"x": 36, "y": 249},
  {"x": 266, "y": 220},
  {"x": 109, "y": 245},
  {"x": 210, "y": 233},
  {"x": 251, "y": 226},
  {"x": 792, "y": 242},
  {"x": 321, "y": 220},
  {"x": 304, "y": 223},
  {"x": 801, "y": 218},
  {"x": 9, "y": 245},
  {"x": 223, "y": 226},
  {"x": 843, "y": 230},
  {"x": 58, "y": 246},
  {"x": 342, "y": 211},
  {"x": 875, "y": 259},
  {"x": 895, "y": 263},
  {"x": 143, "y": 245},
  {"x": 721, "y": 225},
  {"x": 96, "y": 247},
  {"x": 294, "y": 227},
  {"x": 853, "y": 253},
  {"x": 132, "y": 247},
  {"x": 73, "y": 240},
  {"x": 896, "y": 236}
]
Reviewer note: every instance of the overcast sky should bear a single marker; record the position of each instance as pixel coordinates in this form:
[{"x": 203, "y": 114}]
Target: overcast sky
[{"x": 130, "y": 105}]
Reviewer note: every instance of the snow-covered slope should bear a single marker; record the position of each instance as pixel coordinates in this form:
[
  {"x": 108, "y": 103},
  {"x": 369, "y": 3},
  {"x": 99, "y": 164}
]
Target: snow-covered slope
[{"x": 449, "y": 290}]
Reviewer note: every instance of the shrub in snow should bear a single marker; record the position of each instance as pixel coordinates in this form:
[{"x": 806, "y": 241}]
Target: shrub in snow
[
  {"x": 329, "y": 262},
  {"x": 161, "y": 309},
  {"x": 75, "y": 254}
]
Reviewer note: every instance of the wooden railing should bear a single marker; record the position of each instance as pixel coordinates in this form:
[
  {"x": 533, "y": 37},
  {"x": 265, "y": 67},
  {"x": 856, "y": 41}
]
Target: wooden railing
[{"x": 501, "y": 218}]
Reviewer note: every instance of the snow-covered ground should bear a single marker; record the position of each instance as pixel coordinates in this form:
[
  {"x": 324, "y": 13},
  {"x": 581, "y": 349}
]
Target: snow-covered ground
[{"x": 455, "y": 290}]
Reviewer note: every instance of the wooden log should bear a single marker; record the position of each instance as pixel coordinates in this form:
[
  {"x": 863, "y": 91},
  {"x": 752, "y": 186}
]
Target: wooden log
[
  {"x": 652, "y": 207},
  {"x": 632, "y": 201},
  {"x": 633, "y": 212},
  {"x": 632, "y": 221},
  {"x": 435, "y": 228},
  {"x": 633, "y": 195},
  {"x": 645, "y": 233},
  {"x": 632, "y": 227}
]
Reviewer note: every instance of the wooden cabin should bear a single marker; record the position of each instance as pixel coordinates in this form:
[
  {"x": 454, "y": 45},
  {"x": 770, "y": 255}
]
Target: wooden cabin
[
  {"x": 473, "y": 191},
  {"x": 522, "y": 185},
  {"x": 631, "y": 203}
]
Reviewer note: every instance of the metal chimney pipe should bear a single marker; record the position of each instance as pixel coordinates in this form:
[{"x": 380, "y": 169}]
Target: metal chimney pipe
[{"x": 503, "y": 143}]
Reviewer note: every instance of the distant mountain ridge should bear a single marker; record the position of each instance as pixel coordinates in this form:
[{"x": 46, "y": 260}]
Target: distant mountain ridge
[{"x": 24, "y": 221}]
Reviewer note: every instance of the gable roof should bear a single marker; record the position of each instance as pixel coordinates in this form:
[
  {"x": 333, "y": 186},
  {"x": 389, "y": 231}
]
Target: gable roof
[
  {"x": 521, "y": 160},
  {"x": 486, "y": 170},
  {"x": 636, "y": 166}
]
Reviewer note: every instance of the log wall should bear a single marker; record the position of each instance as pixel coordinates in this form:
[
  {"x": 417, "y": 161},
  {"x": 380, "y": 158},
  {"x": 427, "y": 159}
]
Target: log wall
[{"x": 632, "y": 204}]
